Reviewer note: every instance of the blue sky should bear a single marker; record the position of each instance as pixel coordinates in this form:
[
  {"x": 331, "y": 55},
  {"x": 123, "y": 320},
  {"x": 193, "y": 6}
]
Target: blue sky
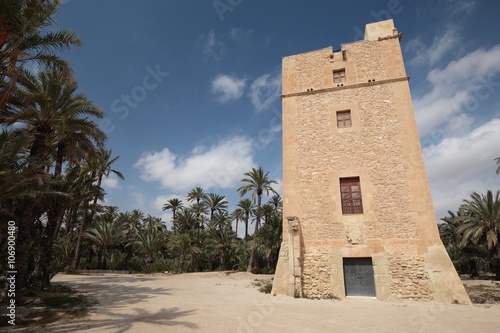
[{"x": 191, "y": 88}]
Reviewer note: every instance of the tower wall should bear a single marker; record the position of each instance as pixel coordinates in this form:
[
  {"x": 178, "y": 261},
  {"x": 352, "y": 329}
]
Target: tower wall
[{"x": 397, "y": 228}]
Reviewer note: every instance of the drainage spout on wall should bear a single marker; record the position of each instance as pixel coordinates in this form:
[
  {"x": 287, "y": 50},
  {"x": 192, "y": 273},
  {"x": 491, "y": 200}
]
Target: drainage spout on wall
[{"x": 294, "y": 255}]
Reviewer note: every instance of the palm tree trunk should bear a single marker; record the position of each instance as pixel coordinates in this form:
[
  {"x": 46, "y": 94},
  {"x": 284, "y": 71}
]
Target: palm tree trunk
[
  {"x": 181, "y": 262},
  {"x": 71, "y": 223},
  {"x": 194, "y": 261},
  {"x": 76, "y": 260},
  {"x": 246, "y": 227},
  {"x": 254, "y": 243},
  {"x": 497, "y": 271},
  {"x": 41, "y": 275},
  {"x": 58, "y": 228},
  {"x": 78, "y": 249},
  {"x": 174, "y": 222},
  {"x": 24, "y": 243}
]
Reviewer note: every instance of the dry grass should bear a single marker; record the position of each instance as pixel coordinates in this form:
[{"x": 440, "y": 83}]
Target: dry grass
[{"x": 483, "y": 292}]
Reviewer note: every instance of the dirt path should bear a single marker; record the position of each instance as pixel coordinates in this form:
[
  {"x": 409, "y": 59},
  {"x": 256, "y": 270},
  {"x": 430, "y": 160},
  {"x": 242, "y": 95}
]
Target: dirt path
[{"x": 220, "y": 302}]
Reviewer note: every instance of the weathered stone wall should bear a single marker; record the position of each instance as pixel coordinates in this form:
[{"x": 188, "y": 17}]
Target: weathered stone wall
[
  {"x": 409, "y": 276},
  {"x": 382, "y": 148}
]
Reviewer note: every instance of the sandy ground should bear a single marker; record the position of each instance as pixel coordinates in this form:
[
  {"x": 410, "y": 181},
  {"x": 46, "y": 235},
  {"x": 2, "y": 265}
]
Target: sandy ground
[{"x": 219, "y": 302}]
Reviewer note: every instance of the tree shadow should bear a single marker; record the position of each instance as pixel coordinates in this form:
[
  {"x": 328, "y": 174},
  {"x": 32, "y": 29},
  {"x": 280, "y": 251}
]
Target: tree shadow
[
  {"x": 124, "y": 322},
  {"x": 118, "y": 299}
]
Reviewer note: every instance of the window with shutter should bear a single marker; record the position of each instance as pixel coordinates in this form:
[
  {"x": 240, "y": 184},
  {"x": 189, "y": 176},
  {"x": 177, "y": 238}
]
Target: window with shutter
[
  {"x": 350, "y": 190},
  {"x": 339, "y": 76},
  {"x": 344, "y": 118}
]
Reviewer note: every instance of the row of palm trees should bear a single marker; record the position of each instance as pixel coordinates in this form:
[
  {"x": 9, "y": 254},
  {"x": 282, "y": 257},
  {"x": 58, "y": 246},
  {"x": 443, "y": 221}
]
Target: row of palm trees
[
  {"x": 210, "y": 209},
  {"x": 136, "y": 242},
  {"x": 202, "y": 237},
  {"x": 52, "y": 152},
  {"x": 472, "y": 234}
]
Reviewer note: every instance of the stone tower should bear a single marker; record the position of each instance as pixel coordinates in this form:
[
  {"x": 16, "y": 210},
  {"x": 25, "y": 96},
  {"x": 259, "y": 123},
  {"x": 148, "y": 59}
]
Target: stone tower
[{"x": 359, "y": 214}]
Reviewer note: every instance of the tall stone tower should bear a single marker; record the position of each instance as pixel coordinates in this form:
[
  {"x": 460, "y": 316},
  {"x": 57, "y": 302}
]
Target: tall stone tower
[{"x": 359, "y": 214}]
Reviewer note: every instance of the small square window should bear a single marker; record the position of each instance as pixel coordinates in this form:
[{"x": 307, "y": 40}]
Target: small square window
[
  {"x": 339, "y": 76},
  {"x": 350, "y": 191},
  {"x": 344, "y": 119}
]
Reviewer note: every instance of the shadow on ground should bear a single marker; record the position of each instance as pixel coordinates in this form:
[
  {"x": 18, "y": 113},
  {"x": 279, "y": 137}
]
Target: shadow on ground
[
  {"x": 118, "y": 304},
  {"x": 124, "y": 322}
]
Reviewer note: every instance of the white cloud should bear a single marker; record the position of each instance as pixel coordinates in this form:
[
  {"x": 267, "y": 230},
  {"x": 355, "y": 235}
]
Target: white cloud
[
  {"x": 441, "y": 47},
  {"x": 278, "y": 187},
  {"x": 456, "y": 167},
  {"x": 139, "y": 198},
  {"x": 241, "y": 36},
  {"x": 219, "y": 166},
  {"x": 461, "y": 6},
  {"x": 227, "y": 88},
  {"x": 111, "y": 182},
  {"x": 458, "y": 88},
  {"x": 265, "y": 90},
  {"x": 211, "y": 46}
]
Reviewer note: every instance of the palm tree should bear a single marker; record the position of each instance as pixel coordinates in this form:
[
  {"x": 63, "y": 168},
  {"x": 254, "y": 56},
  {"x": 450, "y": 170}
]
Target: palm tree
[
  {"x": 268, "y": 211},
  {"x": 257, "y": 182},
  {"x": 220, "y": 221},
  {"x": 47, "y": 107},
  {"x": 106, "y": 234},
  {"x": 197, "y": 194},
  {"x": 16, "y": 175},
  {"x": 276, "y": 202},
  {"x": 150, "y": 243},
  {"x": 151, "y": 222},
  {"x": 185, "y": 220},
  {"x": 238, "y": 215},
  {"x": 215, "y": 202},
  {"x": 465, "y": 258},
  {"x": 174, "y": 204},
  {"x": 247, "y": 206},
  {"x": 199, "y": 209},
  {"x": 25, "y": 38},
  {"x": 481, "y": 222},
  {"x": 199, "y": 244},
  {"x": 269, "y": 238},
  {"x": 181, "y": 243},
  {"x": 224, "y": 240},
  {"x": 98, "y": 168},
  {"x": 52, "y": 107},
  {"x": 498, "y": 163}
]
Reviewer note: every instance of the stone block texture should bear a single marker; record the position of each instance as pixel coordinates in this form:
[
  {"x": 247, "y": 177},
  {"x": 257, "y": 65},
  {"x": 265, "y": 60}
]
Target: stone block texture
[{"x": 397, "y": 228}]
